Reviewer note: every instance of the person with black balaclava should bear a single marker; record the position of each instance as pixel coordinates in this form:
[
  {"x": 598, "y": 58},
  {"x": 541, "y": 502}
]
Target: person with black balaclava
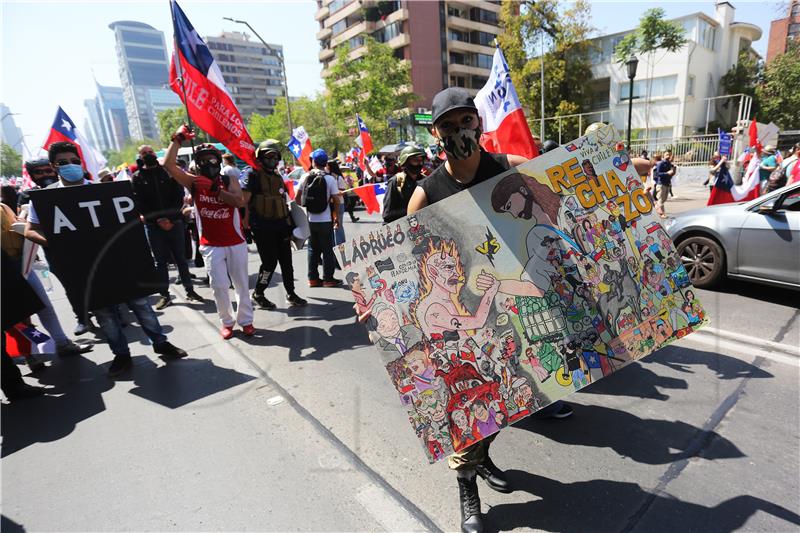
[
  {"x": 160, "y": 200},
  {"x": 267, "y": 216},
  {"x": 401, "y": 186}
]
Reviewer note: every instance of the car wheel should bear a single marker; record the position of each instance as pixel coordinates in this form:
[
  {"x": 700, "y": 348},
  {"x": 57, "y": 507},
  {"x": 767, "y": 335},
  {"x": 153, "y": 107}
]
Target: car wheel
[{"x": 703, "y": 260}]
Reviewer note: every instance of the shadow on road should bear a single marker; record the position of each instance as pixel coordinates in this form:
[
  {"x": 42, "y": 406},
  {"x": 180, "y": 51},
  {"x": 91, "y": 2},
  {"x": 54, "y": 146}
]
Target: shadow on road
[
  {"x": 77, "y": 387},
  {"x": 639, "y": 381},
  {"x": 9, "y": 526},
  {"x": 644, "y": 440},
  {"x": 758, "y": 291},
  {"x": 597, "y": 506}
]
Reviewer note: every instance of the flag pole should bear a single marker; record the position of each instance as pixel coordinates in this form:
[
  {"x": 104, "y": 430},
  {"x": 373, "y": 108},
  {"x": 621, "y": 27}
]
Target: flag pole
[{"x": 179, "y": 71}]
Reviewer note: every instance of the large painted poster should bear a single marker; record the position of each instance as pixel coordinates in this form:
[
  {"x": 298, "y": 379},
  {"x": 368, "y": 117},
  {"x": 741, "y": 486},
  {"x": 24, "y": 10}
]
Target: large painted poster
[{"x": 521, "y": 290}]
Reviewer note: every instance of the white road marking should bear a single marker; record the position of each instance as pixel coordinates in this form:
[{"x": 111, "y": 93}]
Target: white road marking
[
  {"x": 385, "y": 510},
  {"x": 780, "y": 353},
  {"x": 275, "y": 400}
]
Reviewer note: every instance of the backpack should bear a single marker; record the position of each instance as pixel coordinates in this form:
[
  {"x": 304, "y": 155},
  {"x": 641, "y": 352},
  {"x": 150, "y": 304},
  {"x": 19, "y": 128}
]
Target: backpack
[
  {"x": 315, "y": 193},
  {"x": 777, "y": 179}
]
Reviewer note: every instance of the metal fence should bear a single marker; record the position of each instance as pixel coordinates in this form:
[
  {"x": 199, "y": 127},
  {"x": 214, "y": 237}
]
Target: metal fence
[{"x": 692, "y": 150}]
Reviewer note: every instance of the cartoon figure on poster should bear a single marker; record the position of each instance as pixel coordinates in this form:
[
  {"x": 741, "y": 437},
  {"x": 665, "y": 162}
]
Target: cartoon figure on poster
[{"x": 492, "y": 304}]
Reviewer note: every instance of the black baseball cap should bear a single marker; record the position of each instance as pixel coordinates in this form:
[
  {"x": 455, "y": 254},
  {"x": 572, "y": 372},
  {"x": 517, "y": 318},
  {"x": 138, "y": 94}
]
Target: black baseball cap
[{"x": 449, "y": 99}]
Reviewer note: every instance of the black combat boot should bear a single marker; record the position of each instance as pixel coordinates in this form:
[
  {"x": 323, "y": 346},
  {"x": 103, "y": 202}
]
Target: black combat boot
[
  {"x": 471, "y": 521},
  {"x": 493, "y": 476}
]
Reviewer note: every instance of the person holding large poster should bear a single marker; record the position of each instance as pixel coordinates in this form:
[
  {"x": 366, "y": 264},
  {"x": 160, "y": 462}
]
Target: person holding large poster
[
  {"x": 457, "y": 128},
  {"x": 65, "y": 158}
]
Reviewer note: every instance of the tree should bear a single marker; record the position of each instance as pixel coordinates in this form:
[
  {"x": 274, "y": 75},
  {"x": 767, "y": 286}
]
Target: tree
[
  {"x": 743, "y": 78},
  {"x": 375, "y": 85},
  {"x": 778, "y": 94},
  {"x": 10, "y": 161},
  {"x": 567, "y": 66},
  {"x": 170, "y": 120},
  {"x": 653, "y": 34},
  {"x": 311, "y": 113}
]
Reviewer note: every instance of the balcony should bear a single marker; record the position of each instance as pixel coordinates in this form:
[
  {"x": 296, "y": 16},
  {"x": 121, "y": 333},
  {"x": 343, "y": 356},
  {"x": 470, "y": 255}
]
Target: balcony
[
  {"x": 322, "y": 13},
  {"x": 456, "y": 68},
  {"x": 326, "y": 53},
  {"x": 324, "y": 33},
  {"x": 461, "y": 46},
  {"x": 400, "y": 41},
  {"x": 459, "y": 22}
]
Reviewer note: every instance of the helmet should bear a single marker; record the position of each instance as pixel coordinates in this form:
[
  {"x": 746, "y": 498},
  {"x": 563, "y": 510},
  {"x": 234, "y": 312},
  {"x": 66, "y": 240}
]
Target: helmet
[
  {"x": 319, "y": 156},
  {"x": 35, "y": 163},
  {"x": 270, "y": 145},
  {"x": 549, "y": 145},
  {"x": 409, "y": 151},
  {"x": 205, "y": 149}
]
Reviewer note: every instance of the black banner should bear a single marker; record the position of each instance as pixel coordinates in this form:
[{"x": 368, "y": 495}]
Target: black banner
[{"x": 96, "y": 243}]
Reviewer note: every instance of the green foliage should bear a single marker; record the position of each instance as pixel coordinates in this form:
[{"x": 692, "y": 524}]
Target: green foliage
[
  {"x": 743, "y": 78},
  {"x": 653, "y": 33},
  {"x": 778, "y": 94},
  {"x": 129, "y": 152},
  {"x": 170, "y": 120},
  {"x": 567, "y": 66},
  {"x": 375, "y": 85},
  {"x": 10, "y": 161}
]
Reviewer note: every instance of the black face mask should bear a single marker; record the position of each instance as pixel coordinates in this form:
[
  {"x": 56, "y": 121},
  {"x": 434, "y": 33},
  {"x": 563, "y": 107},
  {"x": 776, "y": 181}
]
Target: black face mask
[
  {"x": 45, "y": 181},
  {"x": 209, "y": 171},
  {"x": 269, "y": 164},
  {"x": 414, "y": 169},
  {"x": 151, "y": 160}
]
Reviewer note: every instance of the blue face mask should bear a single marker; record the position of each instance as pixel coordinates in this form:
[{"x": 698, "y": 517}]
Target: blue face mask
[{"x": 71, "y": 172}]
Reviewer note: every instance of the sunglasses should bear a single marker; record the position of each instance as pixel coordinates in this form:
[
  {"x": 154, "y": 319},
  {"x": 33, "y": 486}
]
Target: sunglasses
[
  {"x": 70, "y": 162},
  {"x": 208, "y": 162}
]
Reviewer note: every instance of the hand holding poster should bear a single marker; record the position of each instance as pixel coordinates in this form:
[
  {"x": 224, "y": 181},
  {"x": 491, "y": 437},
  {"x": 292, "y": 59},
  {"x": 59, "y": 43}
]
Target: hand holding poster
[
  {"x": 506, "y": 297},
  {"x": 96, "y": 242}
]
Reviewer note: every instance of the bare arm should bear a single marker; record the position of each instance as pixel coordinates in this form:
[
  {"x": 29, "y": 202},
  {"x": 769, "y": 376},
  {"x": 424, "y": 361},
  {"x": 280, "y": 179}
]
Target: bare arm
[
  {"x": 437, "y": 314},
  {"x": 233, "y": 196},
  {"x": 33, "y": 233},
  {"x": 171, "y": 164},
  {"x": 516, "y": 160},
  {"x": 514, "y": 287},
  {"x": 418, "y": 200},
  {"x": 246, "y": 199}
]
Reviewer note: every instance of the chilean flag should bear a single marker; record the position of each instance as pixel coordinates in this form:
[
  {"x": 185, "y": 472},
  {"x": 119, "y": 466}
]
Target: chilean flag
[
  {"x": 194, "y": 72},
  {"x": 366, "y": 138},
  {"x": 300, "y": 146},
  {"x": 750, "y": 189},
  {"x": 372, "y": 196},
  {"x": 64, "y": 130},
  {"x": 24, "y": 340},
  {"x": 504, "y": 125}
]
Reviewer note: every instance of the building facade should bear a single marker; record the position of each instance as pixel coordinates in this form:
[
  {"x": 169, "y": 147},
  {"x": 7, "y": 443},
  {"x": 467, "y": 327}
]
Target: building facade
[
  {"x": 447, "y": 43},
  {"x": 252, "y": 71},
  {"x": 108, "y": 118},
  {"x": 679, "y": 84},
  {"x": 783, "y": 30},
  {"x": 144, "y": 73},
  {"x": 10, "y": 134}
]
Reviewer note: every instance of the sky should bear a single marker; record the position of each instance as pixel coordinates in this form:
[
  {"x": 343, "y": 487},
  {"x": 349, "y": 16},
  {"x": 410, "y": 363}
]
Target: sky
[{"x": 51, "y": 52}]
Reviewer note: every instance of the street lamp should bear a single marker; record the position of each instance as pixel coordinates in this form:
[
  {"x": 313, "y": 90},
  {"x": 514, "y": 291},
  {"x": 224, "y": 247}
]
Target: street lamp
[
  {"x": 631, "y": 63},
  {"x": 283, "y": 66}
]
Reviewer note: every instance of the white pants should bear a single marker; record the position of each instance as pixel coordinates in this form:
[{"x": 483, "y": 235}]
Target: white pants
[{"x": 222, "y": 262}]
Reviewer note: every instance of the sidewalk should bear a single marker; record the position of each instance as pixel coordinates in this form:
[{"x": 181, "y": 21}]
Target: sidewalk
[{"x": 299, "y": 428}]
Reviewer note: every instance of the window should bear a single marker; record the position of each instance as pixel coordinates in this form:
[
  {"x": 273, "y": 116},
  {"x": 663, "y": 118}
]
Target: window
[
  {"x": 458, "y": 59},
  {"x": 455, "y": 12},
  {"x": 336, "y": 5},
  {"x": 356, "y": 42},
  {"x": 388, "y": 32},
  {"x": 482, "y": 37},
  {"x": 339, "y": 27},
  {"x": 481, "y": 15},
  {"x": 706, "y": 34},
  {"x": 690, "y": 86},
  {"x": 483, "y": 61},
  {"x": 794, "y": 29},
  {"x": 795, "y": 10},
  {"x": 479, "y": 81},
  {"x": 138, "y": 52},
  {"x": 153, "y": 74},
  {"x": 664, "y": 86},
  {"x": 458, "y": 81},
  {"x": 134, "y": 37},
  {"x": 456, "y": 35}
]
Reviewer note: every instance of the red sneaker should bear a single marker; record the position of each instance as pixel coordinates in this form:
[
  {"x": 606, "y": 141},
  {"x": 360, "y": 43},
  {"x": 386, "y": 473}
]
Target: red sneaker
[
  {"x": 226, "y": 332},
  {"x": 315, "y": 283},
  {"x": 249, "y": 330}
]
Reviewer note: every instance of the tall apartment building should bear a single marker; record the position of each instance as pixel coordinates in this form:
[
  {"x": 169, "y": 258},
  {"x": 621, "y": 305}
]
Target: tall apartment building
[
  {"x": 10, "y": 134},
  {"x": 252, "y": 72},
  {"x": 447, "y": 43},
  {"x": 783, "y": 30},
  {"x": 144, "y": 73},
  {"x": 108, "y": 119}
]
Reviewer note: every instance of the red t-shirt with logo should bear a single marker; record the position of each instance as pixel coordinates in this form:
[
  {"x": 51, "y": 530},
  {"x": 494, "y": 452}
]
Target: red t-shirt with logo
[{"x": 219, "y": 224}]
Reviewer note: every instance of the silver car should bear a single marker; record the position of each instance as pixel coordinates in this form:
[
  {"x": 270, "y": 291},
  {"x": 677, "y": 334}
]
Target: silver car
[{"x": 756, "y": 241}]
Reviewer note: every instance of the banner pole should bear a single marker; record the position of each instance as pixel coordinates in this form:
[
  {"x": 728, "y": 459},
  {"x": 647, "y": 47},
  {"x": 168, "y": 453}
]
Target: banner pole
[{"x": 179, "y": 71}]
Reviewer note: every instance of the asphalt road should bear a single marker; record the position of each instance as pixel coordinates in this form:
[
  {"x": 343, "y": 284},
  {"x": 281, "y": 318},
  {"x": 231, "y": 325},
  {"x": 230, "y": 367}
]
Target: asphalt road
[{"x": 298, "y": 428}]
